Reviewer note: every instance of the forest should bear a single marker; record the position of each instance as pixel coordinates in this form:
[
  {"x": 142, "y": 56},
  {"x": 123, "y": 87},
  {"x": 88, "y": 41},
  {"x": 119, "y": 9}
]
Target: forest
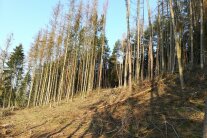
[{"x": 70, "y": 58}]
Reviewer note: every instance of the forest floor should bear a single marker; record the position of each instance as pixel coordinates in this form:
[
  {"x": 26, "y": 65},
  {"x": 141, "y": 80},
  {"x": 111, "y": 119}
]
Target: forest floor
[{"x": 155, "y": 109}]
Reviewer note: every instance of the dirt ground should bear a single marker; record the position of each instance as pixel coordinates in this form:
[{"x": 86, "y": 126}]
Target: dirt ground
[{"x": 155, "y": 109}]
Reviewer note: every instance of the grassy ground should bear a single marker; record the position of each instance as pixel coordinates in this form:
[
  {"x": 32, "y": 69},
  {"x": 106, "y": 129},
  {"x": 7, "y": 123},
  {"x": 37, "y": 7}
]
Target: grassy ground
[{"x": 156, "y": 109}]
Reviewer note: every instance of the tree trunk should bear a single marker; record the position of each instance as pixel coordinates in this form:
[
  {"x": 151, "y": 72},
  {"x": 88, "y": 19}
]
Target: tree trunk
[
  {"x": 150, "y": 53},
  {"x": 128, "y": 44},
  {"x": 125, "y": 66},
  {"x": 102, "y": 44},
  {"x": 191, "y": 34},
  {"x": 158, "y": 42},
  {"x": 138, "y": 43},
  {"x": 201, "y": 35},
  {"x": 30, "y": 92},
  {"x": 177, "y": 43},
  {"x": 205, "y": 121}
]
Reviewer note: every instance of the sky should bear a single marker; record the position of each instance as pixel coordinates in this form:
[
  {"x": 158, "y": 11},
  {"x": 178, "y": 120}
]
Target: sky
[{"x": 24, "y": 18}]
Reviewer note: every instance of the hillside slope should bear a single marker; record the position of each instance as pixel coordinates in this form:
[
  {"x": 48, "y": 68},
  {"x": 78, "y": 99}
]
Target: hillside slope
[{"x": 155, "y": 109}]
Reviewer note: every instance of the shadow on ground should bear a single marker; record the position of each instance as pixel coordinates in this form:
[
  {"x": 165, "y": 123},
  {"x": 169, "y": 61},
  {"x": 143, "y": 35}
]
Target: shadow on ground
[
  {"x": 170, "y": 111},
  {"x": 165, "y": 111}
]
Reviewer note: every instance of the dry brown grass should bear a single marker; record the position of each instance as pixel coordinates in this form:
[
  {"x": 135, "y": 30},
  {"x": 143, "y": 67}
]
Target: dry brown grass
[{"x": 155, "y": 109}]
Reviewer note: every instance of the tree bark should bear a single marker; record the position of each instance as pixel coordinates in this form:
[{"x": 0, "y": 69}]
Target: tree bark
[
  {"x": 138, "y": 43},
  {"x": 205, "y": 121},
  {"x": 177, "y": 43},
  {"x": 150, "y": 52},
  {"x": 201, "y": 35},
  {"x": 128, "y": 44}
]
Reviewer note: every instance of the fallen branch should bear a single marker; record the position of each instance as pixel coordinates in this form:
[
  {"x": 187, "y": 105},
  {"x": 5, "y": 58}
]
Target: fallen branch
[
  {"x": 173, "y": 129},
  {"x": 29, "y": 129},
  {"x": 156, "y": 127},
  {"x": 124, "y": 100},
  {"x": 111, "y": 131}
]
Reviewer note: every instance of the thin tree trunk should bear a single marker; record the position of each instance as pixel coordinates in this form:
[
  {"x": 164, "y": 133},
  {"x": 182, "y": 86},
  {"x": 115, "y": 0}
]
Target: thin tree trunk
[
  {"x": 102, "y": 44},
  {"x": 158, "y": 43},
  {"x": 205, "y": 121},
  {"x": 138, "y": 43},
  {"x": 150, "y": 54},
  {"x": 177, "y": 43},
  {"x": 30, "y": 92},
  {"x": 201, "y": 35},
  {"x": 125, "y": 66},
  {"x": 191, "y": 34},
  {"x": 128, "y": 44},
  {"x": 162, "y": 41}
]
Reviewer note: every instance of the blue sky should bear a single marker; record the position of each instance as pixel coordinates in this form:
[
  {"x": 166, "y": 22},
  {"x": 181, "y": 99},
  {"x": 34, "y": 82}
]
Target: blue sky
[{"x": 24, "y": 18}]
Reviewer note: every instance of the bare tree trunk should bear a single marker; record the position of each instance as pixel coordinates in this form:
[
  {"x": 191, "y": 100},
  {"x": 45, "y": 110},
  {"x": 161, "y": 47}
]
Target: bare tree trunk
[
  {"x": 47, "y": 92},
  {"x": 92, "y": 60},
  {"x": 143, "y": 48},
  {"x": 74, "y": 74},
  {"x": 201, "y": 35},
  {"x": 125, "y": 66},
  {"x": 205, "y": 121},
  {"x": 177, "y": 43},
  {"x": 42, "y": 90},
  {"x": 10, "y": 98},
  {"x": 158, "y": 42},
  {"x": 56, "y": 83},
  {"x": 172, "y": 54},
  {"x": 162, "y": 41},
  {"x": 191, "y": 34},
  {"x": 102, "y": 44},
  {"x": 150, "y": 54},
  {"x": 39, "y": 86},
  {"x": 62, "y": 77},
  {"x": 128, "y": 44},
  {"x": 138, "y": 43},
  {"x": 31, "y": 88}
]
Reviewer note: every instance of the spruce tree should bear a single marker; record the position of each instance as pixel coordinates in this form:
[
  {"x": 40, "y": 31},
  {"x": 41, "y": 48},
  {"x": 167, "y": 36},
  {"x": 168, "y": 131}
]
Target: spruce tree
[{"x": 16, "y": 65}]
